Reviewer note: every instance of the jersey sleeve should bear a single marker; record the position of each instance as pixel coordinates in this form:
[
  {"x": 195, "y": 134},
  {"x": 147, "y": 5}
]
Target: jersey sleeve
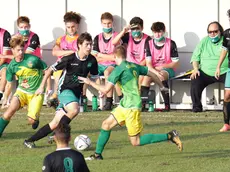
[
  {"x": 95, "y": 44},
  {"x": 148, "y": 55},
  {"x": 143, "y": 70},
  {"x": 41, "y": 64},
  {"x": 115, "y": 75},
  {"x": 125, "y": 38},
  {"x": 58, "y": 41},
  {"x": 174, "y": 51},
  {"x": 46, "y": 165},
  {"x": 9, "y": 73},
  {"x": 83, "y": 166},
  {"x": 34, "y": 43},
  {"x": 226, "y": 40},
  {"x": 6, "y": 40},
  {"x": 94, "y": 68},
  {"x": 62, "y": 63}
]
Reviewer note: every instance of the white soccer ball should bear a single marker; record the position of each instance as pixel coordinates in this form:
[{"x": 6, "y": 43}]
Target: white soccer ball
[{"x": 82, "y": 142}]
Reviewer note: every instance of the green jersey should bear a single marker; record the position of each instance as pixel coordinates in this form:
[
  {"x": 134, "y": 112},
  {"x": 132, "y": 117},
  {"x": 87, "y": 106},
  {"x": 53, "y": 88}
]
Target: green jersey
[
  {"x": 208, "y": 54},
  {"x": 29, "y": 72},
  {"x": 126, "y": 75}
]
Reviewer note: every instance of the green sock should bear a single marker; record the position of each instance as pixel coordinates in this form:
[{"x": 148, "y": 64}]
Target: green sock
[
  {"x": 102, "y": 140},
  {"x": 152, "y": 138},
  {"x": 3, "y": 124}
]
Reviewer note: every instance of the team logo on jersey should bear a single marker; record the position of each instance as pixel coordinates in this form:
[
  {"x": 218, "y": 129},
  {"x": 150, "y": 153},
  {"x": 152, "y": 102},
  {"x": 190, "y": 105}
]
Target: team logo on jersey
[
  {"x": 30, "y": 64},
  {"x": 89, "y": 65}
]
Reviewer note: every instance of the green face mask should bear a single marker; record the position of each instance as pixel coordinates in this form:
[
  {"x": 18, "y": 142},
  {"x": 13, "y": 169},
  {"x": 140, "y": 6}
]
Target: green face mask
[
  {"x": 215, "y": 38},
  {"x": 107, "y": 30},
  {"x": 159, "y": 39},
  {"x": 24, "y": 32},
  {"x": 136, "y": 34}
]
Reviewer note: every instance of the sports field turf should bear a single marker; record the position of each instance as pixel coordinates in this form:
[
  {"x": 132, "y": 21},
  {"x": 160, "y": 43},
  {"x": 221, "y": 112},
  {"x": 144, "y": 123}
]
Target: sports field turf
[{"x": 205, "y": 149}]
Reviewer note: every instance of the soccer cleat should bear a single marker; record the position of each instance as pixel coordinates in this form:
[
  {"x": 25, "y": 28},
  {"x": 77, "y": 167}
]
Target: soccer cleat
[
  {"x": 173, "y": 136},
  {"x": 94, "y": 157},
  {"x": 29, "y": 145},
  {"x": 50, "y": 139},
  {"x": 225, "y": 128},
  {"x": 53, "y": 102},
  {"x": 166, "y": 109},
  {"x": 35, "y": 124}
]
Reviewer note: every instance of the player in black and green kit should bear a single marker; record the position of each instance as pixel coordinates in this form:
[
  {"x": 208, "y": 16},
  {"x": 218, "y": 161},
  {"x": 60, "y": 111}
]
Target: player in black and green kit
[
  {"x": 126, "y": 74},
  {"x": 29, "y": 71}
]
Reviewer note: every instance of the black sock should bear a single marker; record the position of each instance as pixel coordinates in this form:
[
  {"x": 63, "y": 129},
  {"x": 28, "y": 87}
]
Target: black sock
[
  {"x": 144, "y": 94},
  {"x": 109, "y": 100},
  {"x": 165, "y": 95},
  {"x": 120, "y": 97},
  {"x": 42, "y": 132},
  {"x": 226, "y": 111},
  {"x": 65, "y": 120}
]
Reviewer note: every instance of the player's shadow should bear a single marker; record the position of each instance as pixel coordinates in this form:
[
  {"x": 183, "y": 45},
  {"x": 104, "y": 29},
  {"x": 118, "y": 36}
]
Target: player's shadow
[{"x": 191, "y": 40}]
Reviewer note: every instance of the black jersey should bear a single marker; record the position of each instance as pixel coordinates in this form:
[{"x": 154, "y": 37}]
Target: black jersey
[
  {"x": 226, "y": 41},
  {"x": 65, "y": 159},
  {"x": 73, "y": 67}
]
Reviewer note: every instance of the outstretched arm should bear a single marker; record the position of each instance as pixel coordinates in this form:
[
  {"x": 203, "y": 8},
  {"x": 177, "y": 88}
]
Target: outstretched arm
[{"x": 104, "y": 89}]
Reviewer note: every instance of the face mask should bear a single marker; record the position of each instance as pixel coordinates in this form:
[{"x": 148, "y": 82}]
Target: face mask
[
  {"x": 136, "y": 34},
  {"x": 107, "y": 30},
  {"x": 159, "y": 39},
  {"x": 24, "y": 32},
  {"x": 215, "y": 38}
]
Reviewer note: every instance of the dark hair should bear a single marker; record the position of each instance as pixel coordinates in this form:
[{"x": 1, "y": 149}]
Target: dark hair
[
  {"x": 219, "y": 27},
  {"x": 136, "y": 21},
  {"x": 23, "y": 19},
  {"x": 84, "y": 36},
  {"x": 16, "y": 40},
  {"x": 120, "y": 50},
  {"x": 158, "y": 26},
  {"x": 228, "y": 13},
  {"x": 107, "y": 15},
  {"x": 62, "y": 132},
  {"x": 72, "y": 17}
]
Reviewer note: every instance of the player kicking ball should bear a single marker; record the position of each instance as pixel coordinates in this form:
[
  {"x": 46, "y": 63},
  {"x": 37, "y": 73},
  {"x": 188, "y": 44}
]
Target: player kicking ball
[{"x": 128, "y": 112}]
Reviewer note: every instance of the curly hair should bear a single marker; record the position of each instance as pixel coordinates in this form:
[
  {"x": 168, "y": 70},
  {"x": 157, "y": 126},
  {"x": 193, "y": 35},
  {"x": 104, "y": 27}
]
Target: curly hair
[
  {"x": 16, "y": 40},
  {"x": 72, "y": 17}
]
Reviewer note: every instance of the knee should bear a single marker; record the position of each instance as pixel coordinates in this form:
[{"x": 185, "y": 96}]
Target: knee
[
  {"x": 73, "y": 112},
  {"x": 105, "y": 125},
  {"x": 227, "y": 96},
  {"x": 135, "y": 143}
]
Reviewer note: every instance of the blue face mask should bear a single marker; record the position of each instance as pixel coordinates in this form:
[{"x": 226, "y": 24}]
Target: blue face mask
[
  {"x": 136, "y": 34},
  {"x": 215, "y": 38},
  {"x": 159, "y": 39},
  {"x": 107, "y": 30},
  {"x": 24, "y": 32}
]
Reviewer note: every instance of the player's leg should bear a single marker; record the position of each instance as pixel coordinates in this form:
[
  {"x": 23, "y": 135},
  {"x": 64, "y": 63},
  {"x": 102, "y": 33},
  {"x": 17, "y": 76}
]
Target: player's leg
[
  {"x": 117, "y": 117},
  {"x": 5, "y": 119},
  {"x": 109, "y": 96},
  {"x": 69, "y": 101},
  {"x": 226, "y": 107},
  {"x": 34, "y": 107},
  {"x": 145, "y": 85},
  {"x": 134, "y": 127}
]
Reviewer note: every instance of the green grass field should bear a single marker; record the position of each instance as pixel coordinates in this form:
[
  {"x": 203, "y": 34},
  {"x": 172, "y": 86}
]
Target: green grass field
[{"x": 205, "y": 149}]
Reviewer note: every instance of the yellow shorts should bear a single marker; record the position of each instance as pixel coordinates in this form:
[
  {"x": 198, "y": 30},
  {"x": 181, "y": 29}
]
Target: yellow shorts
[
  {"x": 129, "y": 117},
  {"x": 34, "y": 103},
  {"x": 57, "y": 74}
]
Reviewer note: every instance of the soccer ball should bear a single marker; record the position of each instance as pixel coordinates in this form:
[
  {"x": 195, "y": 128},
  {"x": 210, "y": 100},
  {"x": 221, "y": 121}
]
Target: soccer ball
[{"x": 82, "y": 142}]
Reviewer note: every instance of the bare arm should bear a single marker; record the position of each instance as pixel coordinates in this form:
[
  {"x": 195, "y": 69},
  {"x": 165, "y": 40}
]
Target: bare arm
[
  {"x": 117, "y": 39},
  {"x": 8, "y": 90},
  {"x": 222, "y": 57},
  {"x": 6, "y": 54},
  {"x": 156, "y": 80},
  {"x": 57, "y": 51}
]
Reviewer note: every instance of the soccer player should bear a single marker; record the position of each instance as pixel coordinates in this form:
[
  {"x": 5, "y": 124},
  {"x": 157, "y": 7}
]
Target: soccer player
[
  {"x": 65, "y": 45},
  {"x": 80, "y": 63},
  {"x": 102, "y": 50},
  {"x": 128, "y": 112},
  {"x": 64, "y": 158},
  {"x": 224, "y": 53},
  {"x": 134, "y": 39},
  {"x": 29, "y": 71},
  {"x": 161, "y": 56},
  {"x": 4, "y": 51}
]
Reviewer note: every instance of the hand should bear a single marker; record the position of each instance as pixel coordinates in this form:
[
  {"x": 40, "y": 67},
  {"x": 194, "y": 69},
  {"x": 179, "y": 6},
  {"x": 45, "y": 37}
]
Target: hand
[
  {"x": 159, "y": 68},
  {"x": 39, "y": 91},
  {"x": 217, "y": 73},
  {"x": 160, "y": 76},
  {"x": 101, "y": 95},
  {"x": 195, "y": 73},
  {"x": 85, "y": 80},
  {"x": 126, "y": 29}
]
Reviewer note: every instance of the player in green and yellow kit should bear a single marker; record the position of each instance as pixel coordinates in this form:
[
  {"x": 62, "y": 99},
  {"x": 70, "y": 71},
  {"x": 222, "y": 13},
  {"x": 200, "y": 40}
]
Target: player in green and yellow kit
[
  {"x": 29, "y": 71},
  {"x": 126, "y": 74}
]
